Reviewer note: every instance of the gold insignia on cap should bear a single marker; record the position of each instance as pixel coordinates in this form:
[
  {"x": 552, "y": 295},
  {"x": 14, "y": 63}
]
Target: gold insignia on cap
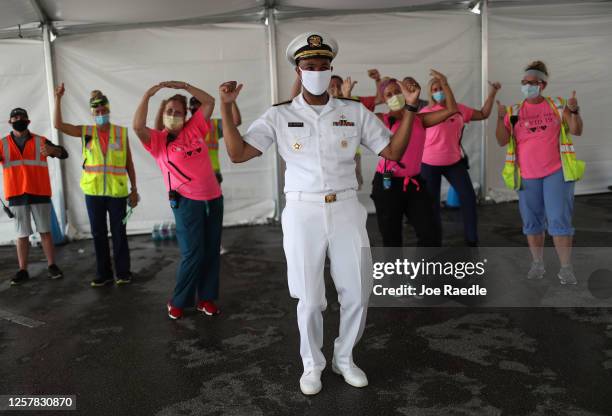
[
  {"x": 315, "y": 41},
  {"x": 297, "y": 146}
]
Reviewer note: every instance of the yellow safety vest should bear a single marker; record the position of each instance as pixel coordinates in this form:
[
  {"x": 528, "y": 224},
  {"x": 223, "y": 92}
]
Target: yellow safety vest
[
  {"x": 573, "y": 169},
  {"x": 105, "y": 174}
]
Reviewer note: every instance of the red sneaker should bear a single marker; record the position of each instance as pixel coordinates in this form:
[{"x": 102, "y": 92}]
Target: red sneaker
[
  {"x": 174, "y": 312},
  {"x": 208, "y": 307}
]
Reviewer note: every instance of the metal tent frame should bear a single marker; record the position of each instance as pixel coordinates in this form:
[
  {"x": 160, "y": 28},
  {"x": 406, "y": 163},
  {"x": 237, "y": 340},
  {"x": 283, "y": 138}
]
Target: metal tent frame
[{"x": 268, "y": 14}]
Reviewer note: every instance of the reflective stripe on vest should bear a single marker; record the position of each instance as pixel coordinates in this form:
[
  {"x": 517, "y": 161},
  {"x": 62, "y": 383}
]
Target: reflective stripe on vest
[
  {"x": 8, "y": 163},
  {"x": 573, "y": 169},
  {"x": 105, "y": 173},
  {"x": 25, "y": 172}
]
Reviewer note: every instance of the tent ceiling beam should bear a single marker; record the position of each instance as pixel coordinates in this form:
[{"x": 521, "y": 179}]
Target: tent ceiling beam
[
  {"x": 252, "y": 15},
  {"x": 256, "y": 14}
]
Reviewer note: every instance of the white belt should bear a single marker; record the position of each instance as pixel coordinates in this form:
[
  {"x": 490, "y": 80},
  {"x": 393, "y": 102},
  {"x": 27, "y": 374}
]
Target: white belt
[{"x": 321, "y": 197}]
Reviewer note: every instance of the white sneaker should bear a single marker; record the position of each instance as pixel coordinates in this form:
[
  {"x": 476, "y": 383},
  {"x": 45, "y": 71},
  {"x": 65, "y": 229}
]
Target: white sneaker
[
  {"x": 537, "y": 271},
  {"x": 353, "y": 375},
  {"x": 310, "y": 382},
  {"x": 566, "y": 276}
]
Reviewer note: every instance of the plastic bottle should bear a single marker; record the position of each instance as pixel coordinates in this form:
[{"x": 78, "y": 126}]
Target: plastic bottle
[
  {"x": 156, "y": 235},
  {"x": 165, "y": 234}
]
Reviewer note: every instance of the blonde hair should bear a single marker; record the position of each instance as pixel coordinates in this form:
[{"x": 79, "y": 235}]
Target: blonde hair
[
  {"x": 97, "y": 99},
  {"x": 538, "y": 66}
]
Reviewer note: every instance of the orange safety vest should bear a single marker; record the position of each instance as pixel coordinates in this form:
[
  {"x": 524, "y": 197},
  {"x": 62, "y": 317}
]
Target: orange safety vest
[{"x": 27, "y": 172}]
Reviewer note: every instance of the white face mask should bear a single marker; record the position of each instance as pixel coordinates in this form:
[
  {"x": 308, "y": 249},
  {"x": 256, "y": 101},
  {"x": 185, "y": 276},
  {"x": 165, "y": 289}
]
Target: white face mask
[
  {"x": 396, "y": 102},
  {"x": 316, "y": 82},
  {"x": 172, "y": 122}
]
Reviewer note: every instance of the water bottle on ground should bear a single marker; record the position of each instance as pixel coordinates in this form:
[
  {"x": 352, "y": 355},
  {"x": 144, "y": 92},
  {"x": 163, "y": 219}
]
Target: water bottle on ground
[
  {"x": 165, "y": 234},
  {"x": 156, "y": 234}
]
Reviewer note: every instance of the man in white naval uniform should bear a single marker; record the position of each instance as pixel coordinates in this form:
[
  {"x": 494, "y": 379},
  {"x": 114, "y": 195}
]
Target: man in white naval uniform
[{"x": 317, "y": 136}]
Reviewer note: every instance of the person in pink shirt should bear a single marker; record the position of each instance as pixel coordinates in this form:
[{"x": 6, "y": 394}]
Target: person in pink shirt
[
  {"x": 193, "y": 191},
  {"x": 546, "y": 200},
  {"x": 443, "y": 156},
  {"x": 398, "y": 189}
]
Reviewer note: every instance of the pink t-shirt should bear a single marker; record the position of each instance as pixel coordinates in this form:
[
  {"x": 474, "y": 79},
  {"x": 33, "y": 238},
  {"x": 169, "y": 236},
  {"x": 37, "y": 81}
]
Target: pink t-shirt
[
  {"x": 537, "y": 139},
  {"x": 411, "y": 158},
  {"x": 192, "y": 175},
  {"x": 442, "y": 142}
]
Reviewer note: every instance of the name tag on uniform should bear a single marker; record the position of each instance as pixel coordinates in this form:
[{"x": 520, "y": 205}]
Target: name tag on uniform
[
  {"x": 343, "y": 123},
  {"x": 295, "y": 124}
]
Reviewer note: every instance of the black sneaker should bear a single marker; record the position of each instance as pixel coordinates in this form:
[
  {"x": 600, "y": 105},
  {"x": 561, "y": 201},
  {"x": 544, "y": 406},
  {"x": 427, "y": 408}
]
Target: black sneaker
[
  {"x": 124, "y": 280},
  {"x": 20, "y": 277},
  {"x": 54, "y": 272},
  {"x": 102, "y": 281}
]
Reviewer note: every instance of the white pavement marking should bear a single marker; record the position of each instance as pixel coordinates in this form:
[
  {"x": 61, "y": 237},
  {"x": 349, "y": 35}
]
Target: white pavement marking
[{"x": 21, "y": 320}]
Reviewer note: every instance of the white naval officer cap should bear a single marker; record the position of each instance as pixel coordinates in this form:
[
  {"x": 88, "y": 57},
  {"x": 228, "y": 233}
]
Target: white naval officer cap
[{"x": 311, "y": 45}]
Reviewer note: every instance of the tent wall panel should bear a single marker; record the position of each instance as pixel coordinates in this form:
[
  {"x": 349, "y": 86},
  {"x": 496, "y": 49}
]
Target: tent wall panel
[
  {"x": 398, "y": 44},
  {"x": 574, "y": 42},
  {"x": 22, "y": 84},
  {"x": 125, "y": 64}
]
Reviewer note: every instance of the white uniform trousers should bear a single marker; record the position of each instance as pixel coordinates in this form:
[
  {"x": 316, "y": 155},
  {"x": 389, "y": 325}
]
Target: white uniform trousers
[{"x": 312, "y": 229}]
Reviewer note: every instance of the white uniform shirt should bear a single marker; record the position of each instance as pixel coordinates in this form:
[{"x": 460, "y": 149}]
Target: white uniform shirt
[{"x": 319, "y": 149}]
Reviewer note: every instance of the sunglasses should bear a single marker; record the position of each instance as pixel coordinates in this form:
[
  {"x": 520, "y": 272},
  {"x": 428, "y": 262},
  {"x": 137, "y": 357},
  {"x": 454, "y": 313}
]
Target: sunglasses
[{"x": 533, "y": 83}]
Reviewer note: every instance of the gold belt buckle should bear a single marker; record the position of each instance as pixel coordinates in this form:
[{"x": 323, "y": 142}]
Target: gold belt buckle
[{"x": 330, "y": 198}]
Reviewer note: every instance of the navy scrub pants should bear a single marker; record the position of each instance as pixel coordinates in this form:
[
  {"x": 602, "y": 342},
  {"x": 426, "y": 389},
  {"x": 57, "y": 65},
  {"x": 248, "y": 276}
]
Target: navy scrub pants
[
  {"x": 97, "y": 208},
  {"x": 458, "y": 176},
  {"x": 198, "y": 231}
]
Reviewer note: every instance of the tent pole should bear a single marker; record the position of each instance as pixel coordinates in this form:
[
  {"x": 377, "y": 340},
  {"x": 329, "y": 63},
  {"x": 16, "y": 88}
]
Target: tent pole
[
  {"x": 270, "y": 22},
  {"x": 484, "y": 28},
  {"x": 58, "y": 198}
]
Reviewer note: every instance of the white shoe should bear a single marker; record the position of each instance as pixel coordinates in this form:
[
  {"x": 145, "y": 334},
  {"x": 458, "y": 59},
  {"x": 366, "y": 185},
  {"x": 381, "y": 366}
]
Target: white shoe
[
  {"x": 353, "y": 375},
  {"x": 310, "y": 382}
]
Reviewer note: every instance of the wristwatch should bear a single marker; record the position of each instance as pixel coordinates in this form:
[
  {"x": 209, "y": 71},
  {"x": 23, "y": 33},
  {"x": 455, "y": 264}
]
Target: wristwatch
[
  {"x": 576, "y": 111},
  {"x": 412, "y": 108}
]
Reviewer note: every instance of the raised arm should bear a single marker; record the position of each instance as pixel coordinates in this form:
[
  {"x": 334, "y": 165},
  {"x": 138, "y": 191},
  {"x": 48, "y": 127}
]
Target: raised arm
[
  {"x": 375, "y": 75},
  {"x": 347, "y": 87},
  {"x": 485, "y": 111},
  {"x": 207, "y": 100},
  {"x": 58, "y": 121},
  {"x": 236, "y": 116},
  {"x": 571, "y": 115},
  {"x": 139, "y": 124},
  {"x": 502, "y": 134},
  {"x": 436, "y": 117},
  {"x": 400, "y": 139},
  {"x": 238, "y": 150},
  {"x": 159, "y": 117}
]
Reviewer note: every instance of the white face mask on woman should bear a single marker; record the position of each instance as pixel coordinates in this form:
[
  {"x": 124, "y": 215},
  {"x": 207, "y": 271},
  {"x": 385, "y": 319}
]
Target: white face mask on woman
[
  {"x": 316, "y": 82},
  {"x": 396, "y": 103},
  {"x": 173, "y": 122}
]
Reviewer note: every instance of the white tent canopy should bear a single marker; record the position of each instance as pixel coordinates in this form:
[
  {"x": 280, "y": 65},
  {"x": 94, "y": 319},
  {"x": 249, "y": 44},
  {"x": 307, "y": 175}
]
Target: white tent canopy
[{"x": 122, "y": 48}]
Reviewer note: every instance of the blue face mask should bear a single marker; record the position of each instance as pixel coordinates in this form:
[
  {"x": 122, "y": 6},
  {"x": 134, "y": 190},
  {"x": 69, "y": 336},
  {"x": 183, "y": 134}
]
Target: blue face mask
[
  {"x": 439, "y": 96},
  {"x": 530, "y": 91},
  {"x": 101, "y": 120}
]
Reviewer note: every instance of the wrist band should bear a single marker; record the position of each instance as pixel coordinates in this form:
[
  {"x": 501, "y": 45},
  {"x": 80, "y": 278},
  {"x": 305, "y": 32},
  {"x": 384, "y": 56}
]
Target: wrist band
[{"x": 411, "y": 108}]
